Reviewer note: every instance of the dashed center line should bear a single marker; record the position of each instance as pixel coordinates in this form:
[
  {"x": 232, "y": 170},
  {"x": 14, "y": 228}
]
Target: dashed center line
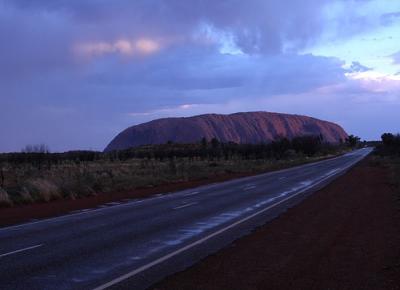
[
  {"x": 20, "y": 250},
  {"x": 192, "y": 193},
  {"x": 249, "y": 187},
  {"x": 81, "y": 210},
  {"x": 113, "y": 203},
  {"x": 185, "y": 205},
  {"x": 216, "y": 233}
]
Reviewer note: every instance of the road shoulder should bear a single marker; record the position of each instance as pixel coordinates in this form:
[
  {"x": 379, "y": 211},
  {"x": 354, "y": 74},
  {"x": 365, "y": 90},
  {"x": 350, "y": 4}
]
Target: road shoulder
[{"x": 345, "y": 236}]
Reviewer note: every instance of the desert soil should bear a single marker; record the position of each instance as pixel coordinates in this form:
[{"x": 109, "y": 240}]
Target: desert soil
[{"x": 345, "y": 236}]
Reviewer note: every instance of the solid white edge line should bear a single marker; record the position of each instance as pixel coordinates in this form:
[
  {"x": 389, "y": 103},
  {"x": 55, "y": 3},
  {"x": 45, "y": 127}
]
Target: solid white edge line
[
  {"x": 59, "y": 218},
  {"x": 71, "y": 215},
  {"x": 202, "y": 240},
  {"x": 20, "y": 250}
]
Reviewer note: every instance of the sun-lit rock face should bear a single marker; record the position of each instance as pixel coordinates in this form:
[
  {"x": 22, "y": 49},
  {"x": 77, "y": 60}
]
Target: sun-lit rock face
[{"x": 251, "y": 127}]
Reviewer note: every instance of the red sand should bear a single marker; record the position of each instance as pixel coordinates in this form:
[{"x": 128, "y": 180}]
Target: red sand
[{"x": 345, "y": 236}]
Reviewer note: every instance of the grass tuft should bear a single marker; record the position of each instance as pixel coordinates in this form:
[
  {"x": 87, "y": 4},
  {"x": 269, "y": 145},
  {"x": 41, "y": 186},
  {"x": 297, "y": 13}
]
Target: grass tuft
[
  {"x": 5, "y": 200},
  {"x": 43, "y": 190}
]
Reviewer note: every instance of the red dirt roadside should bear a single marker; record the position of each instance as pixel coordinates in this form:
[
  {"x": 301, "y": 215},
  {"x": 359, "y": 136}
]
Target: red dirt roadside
[{"x": 345, "y": 236}]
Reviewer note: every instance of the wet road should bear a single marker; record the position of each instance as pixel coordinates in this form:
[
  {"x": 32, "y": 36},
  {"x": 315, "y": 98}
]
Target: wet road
[{"x": 132, "y": 245}]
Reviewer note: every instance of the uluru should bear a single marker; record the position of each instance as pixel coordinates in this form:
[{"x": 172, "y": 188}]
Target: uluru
[{"x": 247, "y": 127}]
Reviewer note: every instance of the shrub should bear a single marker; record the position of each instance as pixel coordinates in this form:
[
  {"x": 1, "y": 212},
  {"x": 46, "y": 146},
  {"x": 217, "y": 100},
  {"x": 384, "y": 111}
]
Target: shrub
[
  {"x": 5, "y": 198},
  {"x": 43, "y": 190},
  {"x": 24, "y": 195}
]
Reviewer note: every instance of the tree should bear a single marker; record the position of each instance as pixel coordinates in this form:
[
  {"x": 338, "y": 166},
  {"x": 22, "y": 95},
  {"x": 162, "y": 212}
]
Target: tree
[
  {"x": 214, "y": 143},
  {"x": 390, "y": 144},
  {"x": 280, "y": 146},
  {"x": 204, "y": 142},
  {"x": 36, "y": 148},
  {"x": 308, "y": 145},
  {"x": 387, "y": 139},
  {"x": 353, "y": 140},
  {"x": 1, "y": 177}
]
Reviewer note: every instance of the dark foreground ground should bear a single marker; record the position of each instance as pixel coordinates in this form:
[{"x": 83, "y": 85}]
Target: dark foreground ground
[{"x": 346, "y": 236}]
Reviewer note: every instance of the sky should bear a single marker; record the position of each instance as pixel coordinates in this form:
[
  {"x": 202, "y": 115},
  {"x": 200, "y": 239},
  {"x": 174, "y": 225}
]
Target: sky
[{"x": 74, "y": 73}]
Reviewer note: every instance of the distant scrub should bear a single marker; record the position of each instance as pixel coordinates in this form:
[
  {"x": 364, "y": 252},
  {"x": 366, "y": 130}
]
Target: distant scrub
[
  {"x": 390, "y": 145},
  {"x": 387, "y": 152},
  {"x": 41, "y": 176}
]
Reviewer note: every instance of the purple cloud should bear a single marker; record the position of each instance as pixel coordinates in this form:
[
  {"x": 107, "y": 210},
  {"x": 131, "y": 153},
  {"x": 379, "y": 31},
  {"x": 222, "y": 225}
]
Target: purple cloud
[{"x": 71, "y": 71}]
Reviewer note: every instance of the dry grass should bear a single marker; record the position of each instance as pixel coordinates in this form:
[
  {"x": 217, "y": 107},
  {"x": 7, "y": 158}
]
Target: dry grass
[
  {"x": 42, "y": 190},
  {"x": 5, "y": 198},
  {"x": 26, "y": 183},
  {"x": 393, "y": 163}
]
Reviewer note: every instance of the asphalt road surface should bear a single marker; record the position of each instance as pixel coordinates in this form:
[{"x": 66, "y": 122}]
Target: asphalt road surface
[{"x": 134, "y": 244}]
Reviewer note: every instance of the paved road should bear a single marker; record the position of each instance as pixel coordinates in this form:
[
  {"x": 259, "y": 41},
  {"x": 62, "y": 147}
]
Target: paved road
[{"x": 134, "y": 244}]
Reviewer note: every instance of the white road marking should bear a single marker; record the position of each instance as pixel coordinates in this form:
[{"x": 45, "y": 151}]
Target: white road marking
[
  {"x": 185, "y": 205},
  {"x": 72, "y": 215},
  {"x": 81, "y": 210},
  {"x": 20, "y": 250},
  {"x": 206, "y": 238},
  {"x": 284, "y": 177},
  {"x": 192, "y": 193},
  {"x": 249, "y": 187},
  {"x": 99, "y": 208},
  {"x": 113, "y": 203}
]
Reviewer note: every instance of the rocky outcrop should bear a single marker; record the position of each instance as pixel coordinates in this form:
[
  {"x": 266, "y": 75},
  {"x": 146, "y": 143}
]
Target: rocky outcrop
[{"x": 250, "y": 127}]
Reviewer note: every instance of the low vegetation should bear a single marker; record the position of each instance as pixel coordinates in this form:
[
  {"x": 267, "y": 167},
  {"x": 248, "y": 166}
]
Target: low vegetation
[
  {"x": 35, "y": 175},
  {"x": 387, "y": 153}
]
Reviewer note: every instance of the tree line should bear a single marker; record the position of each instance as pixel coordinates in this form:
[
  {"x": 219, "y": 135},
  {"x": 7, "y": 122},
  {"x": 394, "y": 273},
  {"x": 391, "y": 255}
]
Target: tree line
[
  {"x": 390, "y": 145},
  {"x": 309, "y": 145}
]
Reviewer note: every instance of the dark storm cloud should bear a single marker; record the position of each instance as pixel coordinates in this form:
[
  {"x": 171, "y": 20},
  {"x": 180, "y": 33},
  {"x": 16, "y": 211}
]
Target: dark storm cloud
[
  {"x": 198, "y": 70},
  {"x": 257, "y": 25},
  {"x": 38, "y": 37},
  {"x": 71, "y": 101}
]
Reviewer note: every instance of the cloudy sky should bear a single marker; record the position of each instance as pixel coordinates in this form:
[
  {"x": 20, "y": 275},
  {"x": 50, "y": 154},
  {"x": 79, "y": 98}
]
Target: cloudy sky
[{"x": 73, "y": 73}]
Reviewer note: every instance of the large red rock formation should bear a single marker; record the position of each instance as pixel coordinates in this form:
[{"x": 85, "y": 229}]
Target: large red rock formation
[{"x": 251, "y": 127}]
